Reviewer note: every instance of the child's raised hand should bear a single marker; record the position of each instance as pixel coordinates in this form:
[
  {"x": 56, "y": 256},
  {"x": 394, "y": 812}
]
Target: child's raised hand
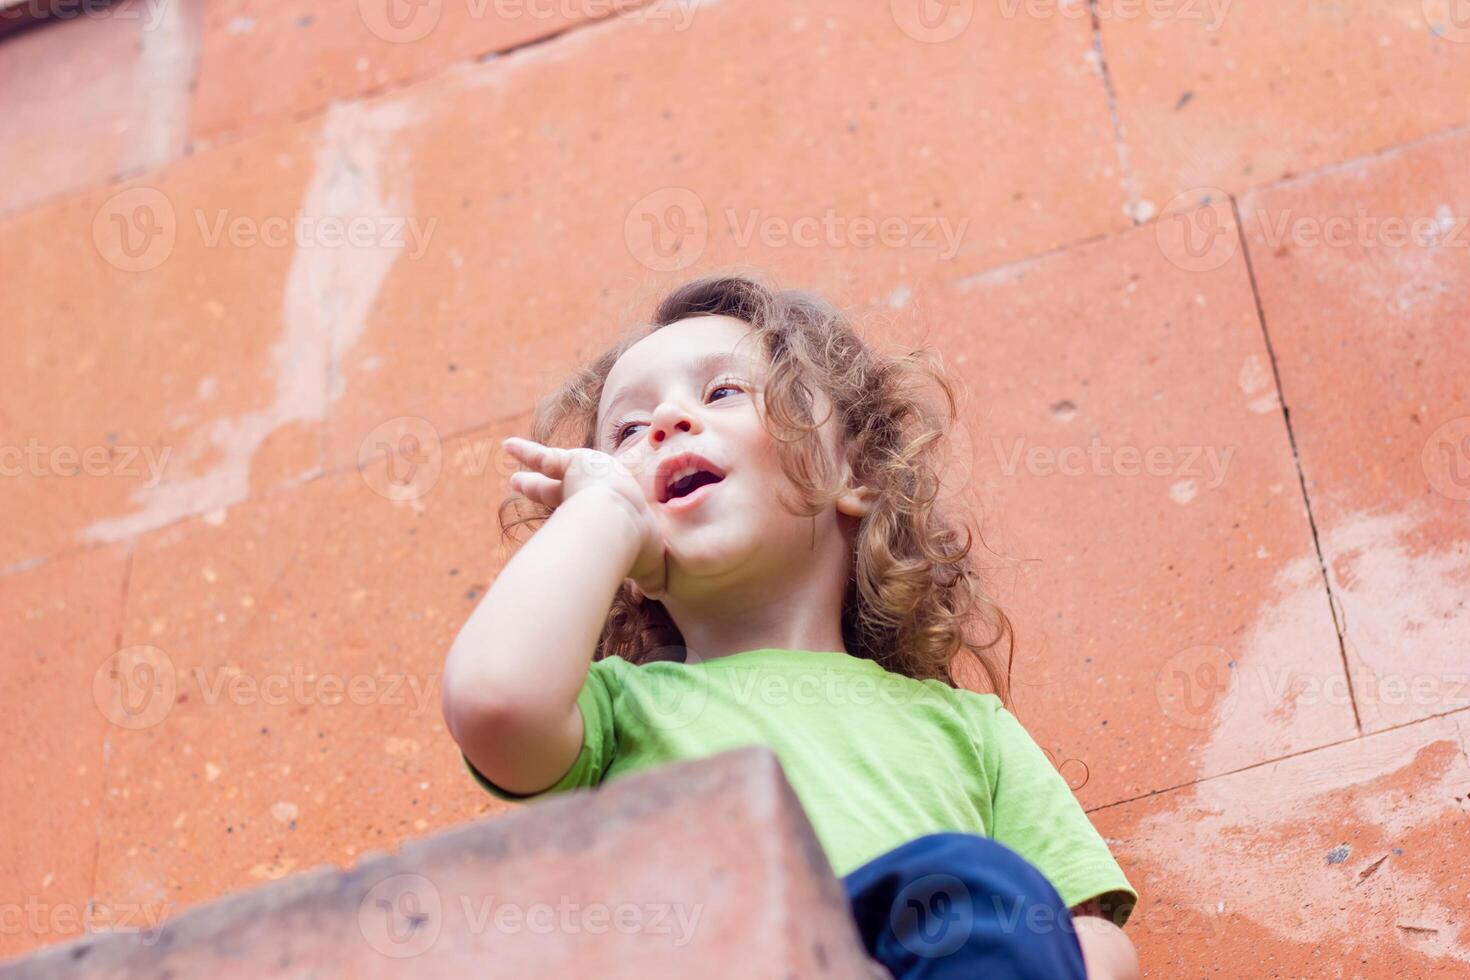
[{"x": 553, "y": 476}]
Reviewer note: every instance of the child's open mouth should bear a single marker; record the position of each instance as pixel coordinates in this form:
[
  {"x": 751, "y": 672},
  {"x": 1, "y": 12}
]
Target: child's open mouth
[
  {"x": 682, "y": 480},
  {"x": 691, "y": 497}
]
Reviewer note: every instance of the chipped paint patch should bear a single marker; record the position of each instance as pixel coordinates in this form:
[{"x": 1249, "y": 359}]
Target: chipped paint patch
[
  {"x": 1253, "y": 375},
  {"x": 330, "y": 291},
  {"x": 1405, "y": 607},
  {"x": 1278, "y": 707},
  {"x": 1271, "y": 842}
]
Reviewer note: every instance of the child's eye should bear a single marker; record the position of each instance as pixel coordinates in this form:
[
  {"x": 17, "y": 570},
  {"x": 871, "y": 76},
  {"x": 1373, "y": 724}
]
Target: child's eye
[
  {"x": 621, "y": 431},
  {"x": 714, "y": 394}
]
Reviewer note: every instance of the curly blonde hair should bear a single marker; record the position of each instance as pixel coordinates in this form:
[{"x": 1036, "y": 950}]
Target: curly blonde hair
[{"x": 915, "y": 600}]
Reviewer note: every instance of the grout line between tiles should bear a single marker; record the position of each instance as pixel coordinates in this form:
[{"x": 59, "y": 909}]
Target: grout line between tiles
[
  {"x": 1120, "y": 136},
  {"x": 1296, "y": 457},
  {"x": 106, "y": 746},
  {"x": 1011, "y": 265},
  {"x": 429, "y": 73},
  {"x": 30, "y": 564},
  {"x": 1290, "y": 755},
  {"x": 230, "y": 137}
]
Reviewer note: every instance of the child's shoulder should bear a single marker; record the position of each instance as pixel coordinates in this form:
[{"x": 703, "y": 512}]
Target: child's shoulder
[{"x": 977, "y": 708}]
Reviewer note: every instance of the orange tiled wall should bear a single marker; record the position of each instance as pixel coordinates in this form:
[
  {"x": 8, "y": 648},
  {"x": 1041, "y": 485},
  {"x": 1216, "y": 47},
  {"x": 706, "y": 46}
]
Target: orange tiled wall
[{"x": 275, "y": 278}]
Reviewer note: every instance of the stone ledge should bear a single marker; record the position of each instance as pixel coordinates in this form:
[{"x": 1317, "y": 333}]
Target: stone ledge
[{"x": 705, "y": 868}]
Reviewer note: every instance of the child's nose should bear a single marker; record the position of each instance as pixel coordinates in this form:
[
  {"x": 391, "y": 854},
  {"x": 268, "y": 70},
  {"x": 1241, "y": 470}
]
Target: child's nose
[
  {"x": 668, "y": 418},
  {"x": 660, "y": 433}
]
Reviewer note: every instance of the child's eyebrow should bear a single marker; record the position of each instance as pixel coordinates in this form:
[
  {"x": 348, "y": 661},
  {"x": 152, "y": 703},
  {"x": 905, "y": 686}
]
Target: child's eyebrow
[{"x": 703, "y": 366}]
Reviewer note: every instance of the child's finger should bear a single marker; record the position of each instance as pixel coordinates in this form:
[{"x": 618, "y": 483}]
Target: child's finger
[
  {"x": 544, "y": 459},
  {"x": 537, "y": 488},
  {"x": 523, "y": 451}
]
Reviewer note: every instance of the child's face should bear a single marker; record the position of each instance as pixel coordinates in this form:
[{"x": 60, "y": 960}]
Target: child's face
[{"x": 687, "y": 389}]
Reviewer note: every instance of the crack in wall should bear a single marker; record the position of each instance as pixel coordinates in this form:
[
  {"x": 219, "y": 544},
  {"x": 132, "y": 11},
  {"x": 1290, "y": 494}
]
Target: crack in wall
[
  {"x": 1136, "y": 210},
  {"x": 99, "y": 815},
  {"x": 1296, "y": 458}
]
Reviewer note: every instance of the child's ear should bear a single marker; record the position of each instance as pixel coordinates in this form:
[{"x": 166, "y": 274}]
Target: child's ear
[{"x": 856, "y": 501}]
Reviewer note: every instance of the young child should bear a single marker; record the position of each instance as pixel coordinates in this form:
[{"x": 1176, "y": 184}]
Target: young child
[{"x": 747, "y": 545}]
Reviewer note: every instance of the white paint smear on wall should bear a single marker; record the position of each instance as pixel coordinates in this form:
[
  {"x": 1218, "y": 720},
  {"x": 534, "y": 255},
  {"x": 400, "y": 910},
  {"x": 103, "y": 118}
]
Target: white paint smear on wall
[{"x": 329, "y": 292}]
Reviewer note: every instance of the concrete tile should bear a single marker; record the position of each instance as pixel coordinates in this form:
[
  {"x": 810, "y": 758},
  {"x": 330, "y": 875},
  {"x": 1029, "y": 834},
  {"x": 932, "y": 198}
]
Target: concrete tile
[
  {"x": 1122, "y": 440},
  {"x": 61, "y": 624},
  {"x": 1346, "y": 861},
  {"x": 571, "y": 187},
  {"x": 300, "y": 638},
  {"x": 1364, "y": 274},
  {"x": 300, "y": 56},
  {"x": 1219, "y": 95},
  {"x": 95, "y": 96}
]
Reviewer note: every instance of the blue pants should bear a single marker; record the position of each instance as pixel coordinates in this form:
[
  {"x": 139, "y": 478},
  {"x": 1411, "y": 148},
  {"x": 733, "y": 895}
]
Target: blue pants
[{"x": 952, "y": 906}]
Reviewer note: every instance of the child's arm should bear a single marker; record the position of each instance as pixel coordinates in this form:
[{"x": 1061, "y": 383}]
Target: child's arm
[
  {"x": 1106, "y": 949},
  {"x": 511, "y": 680},
  {"x": 1035, "y": 812}
]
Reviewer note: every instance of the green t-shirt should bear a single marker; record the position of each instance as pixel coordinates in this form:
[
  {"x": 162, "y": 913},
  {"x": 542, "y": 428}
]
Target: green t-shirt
[{"x": 876, "y": 758}]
